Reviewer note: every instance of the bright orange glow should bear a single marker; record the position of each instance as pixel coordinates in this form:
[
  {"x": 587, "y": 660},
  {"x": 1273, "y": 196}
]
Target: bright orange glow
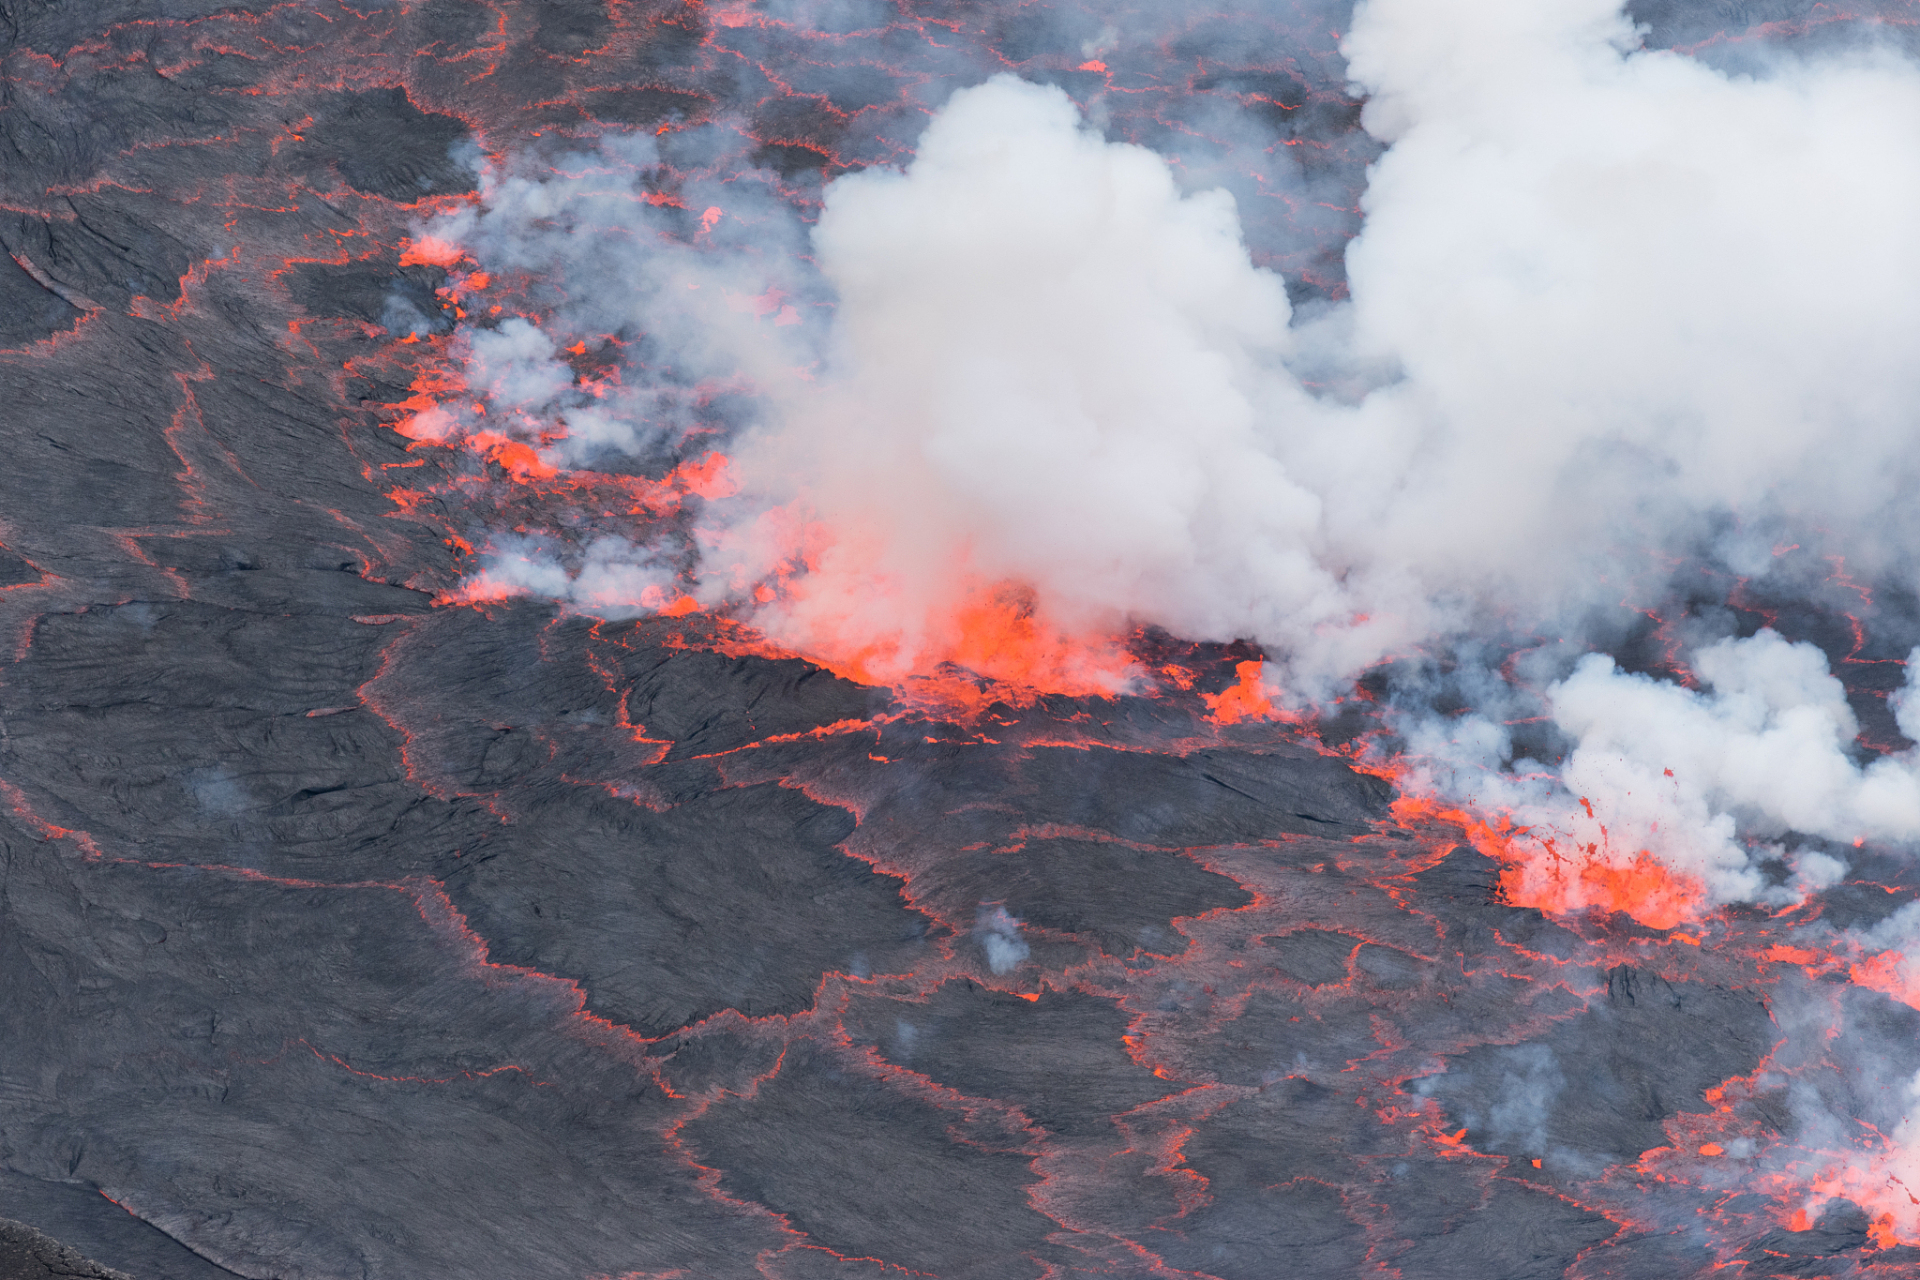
[
  {"x": 1178, "y": 676},
  {"x": 991, "y": 644},
  {"x": 1871, "y": 1180},
  {"x": 997, "y": 635},
  {"x": 1246, "y": 700},
  {"x": 432, "y": 252},
  {"x": 1889, "y": 974},
  {"x": 482, "y": 591},
  {"x": 707, "y": 478},
  {"x": 517, "y": 457},
  {"x": 1535, "y": 872},
  {"x": 990, "y": 647}
]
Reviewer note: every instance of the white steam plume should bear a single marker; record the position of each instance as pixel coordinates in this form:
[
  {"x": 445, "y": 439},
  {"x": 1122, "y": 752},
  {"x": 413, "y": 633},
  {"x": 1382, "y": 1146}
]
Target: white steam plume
[
  {"x": 1607, "y": 304},
  {"x": 1708, "y": 781},
  {"x": 1624, "y": 298},
  {"x": 1049, "y": 367}
]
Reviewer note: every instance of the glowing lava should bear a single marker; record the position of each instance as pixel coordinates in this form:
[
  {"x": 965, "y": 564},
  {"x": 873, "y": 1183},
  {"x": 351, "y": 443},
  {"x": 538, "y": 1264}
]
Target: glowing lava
[{"x": 1536, "y": 872}]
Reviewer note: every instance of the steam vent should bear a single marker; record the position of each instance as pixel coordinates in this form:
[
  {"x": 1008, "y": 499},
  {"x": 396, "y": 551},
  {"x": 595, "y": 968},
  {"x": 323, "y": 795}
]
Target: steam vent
[{"x": 972, "y": 639}]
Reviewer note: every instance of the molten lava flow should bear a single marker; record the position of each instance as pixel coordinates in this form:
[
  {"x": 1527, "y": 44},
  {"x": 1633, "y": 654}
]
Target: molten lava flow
[
  {"x": 518, "y": 457},
  {"x": 995, "y": 633},
  {"x": 1880, "y": 1182},
  {"x": 431, "y": 251},
  {"x": 706, "y": 478},
  {"x": 992, "y": 644},
  {"x": 1249, "y": 698},
  {"x": 1891, "y": 974},
  {"x": 1535, "y": 872}
]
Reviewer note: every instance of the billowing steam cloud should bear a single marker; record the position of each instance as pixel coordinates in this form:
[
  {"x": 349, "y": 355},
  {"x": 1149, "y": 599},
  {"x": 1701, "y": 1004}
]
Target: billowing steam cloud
[
  {"x": 1694, "y": 778},
  {"x": 1611, "y": 310},
  {"x": 1048, "y": 368},
  {"x": 1624, "y": 310}
]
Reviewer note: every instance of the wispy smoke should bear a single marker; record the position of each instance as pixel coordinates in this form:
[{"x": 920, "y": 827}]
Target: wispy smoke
[
  {"x": 610, "y": 576},
  {"x": 999, "y": 935},
  {"x": 691, "y": 299}
]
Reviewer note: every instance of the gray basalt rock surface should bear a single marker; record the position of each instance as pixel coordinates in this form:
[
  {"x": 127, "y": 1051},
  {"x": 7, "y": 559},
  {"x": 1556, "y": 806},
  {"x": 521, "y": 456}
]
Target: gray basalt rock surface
[{"x": 27, "y": 1254}]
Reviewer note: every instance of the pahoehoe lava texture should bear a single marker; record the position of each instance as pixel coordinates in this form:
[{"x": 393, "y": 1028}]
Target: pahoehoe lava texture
[
  {"x": 867, "y": 1169},
  {"x": 347, "y": 933},
  {"x": 27, "y": 1254},
  {"x": 735, "y": 900},
  {"x": 1060, "y": 1058}
]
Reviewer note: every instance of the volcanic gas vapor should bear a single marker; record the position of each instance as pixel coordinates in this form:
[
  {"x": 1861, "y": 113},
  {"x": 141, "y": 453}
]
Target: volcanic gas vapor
[
  {"x": 1048, "y": 369},
  {"x": 1004, "y": 403}
]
